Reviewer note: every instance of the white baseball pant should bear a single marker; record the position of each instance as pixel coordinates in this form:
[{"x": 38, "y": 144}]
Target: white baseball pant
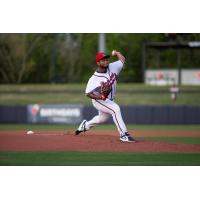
[{"x": 106, "y": 109}]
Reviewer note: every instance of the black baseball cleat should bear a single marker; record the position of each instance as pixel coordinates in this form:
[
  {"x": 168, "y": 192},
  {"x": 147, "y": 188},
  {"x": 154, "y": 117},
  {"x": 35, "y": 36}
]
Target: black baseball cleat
[
  {"x": 127, "y": 138},
  {"x": 81, "y": 128}
]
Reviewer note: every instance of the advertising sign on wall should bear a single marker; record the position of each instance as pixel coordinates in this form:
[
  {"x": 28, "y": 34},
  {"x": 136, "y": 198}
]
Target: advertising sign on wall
[
  {"x": 170, "y": 77},
  {"x": 62, "y": 113},
  {"x": 190, "y": 77},
  {"x": 161, "y": 77}
]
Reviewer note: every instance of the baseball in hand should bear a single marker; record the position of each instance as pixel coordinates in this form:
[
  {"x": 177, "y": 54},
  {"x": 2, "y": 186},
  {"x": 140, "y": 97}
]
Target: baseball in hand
[{"x": 114, "y": 53}]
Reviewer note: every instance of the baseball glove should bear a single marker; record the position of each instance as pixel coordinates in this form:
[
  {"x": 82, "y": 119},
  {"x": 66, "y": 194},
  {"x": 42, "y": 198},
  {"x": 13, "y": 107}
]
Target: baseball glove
[{"x": 105, "y": 90}]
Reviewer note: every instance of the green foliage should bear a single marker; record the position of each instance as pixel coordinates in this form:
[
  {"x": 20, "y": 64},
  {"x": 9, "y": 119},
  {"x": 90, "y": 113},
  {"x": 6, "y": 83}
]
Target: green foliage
[{"x": 70, "y": 57}]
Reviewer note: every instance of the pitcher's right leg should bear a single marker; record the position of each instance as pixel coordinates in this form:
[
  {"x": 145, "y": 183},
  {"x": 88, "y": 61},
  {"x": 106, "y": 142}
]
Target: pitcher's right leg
[{"x": 98, "y": 119}]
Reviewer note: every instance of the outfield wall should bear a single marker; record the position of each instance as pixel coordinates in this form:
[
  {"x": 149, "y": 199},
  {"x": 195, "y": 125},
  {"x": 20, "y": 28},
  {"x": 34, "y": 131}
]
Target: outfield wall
[
  {"x": 72, "y": 114},
  {"x": 13, "y": 114},
  {"x": 155, "y": 114}
]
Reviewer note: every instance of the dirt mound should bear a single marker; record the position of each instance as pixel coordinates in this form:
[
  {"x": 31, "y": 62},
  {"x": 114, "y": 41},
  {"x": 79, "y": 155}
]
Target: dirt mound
[{"x": 57, "y": 141}]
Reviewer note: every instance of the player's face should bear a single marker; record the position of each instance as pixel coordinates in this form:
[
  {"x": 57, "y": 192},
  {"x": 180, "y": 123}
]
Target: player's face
[{"x": 103, "y": 63}]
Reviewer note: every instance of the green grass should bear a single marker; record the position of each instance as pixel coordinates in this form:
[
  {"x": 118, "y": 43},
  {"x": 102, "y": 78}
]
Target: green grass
[
  {"x": 103, "y": 159},
  {"x": 127, "y": 94},
  {"x": 157, "y": 99},
  {"x": 81, "y": 87},
  {"x": 79, "y": 98},
  {"x": 97, "y": 159},
  {"x": 100, "y": 127}
]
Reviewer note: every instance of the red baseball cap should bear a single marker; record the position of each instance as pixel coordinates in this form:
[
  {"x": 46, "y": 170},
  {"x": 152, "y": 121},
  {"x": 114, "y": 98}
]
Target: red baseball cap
[{"x": 100, "y": 56}]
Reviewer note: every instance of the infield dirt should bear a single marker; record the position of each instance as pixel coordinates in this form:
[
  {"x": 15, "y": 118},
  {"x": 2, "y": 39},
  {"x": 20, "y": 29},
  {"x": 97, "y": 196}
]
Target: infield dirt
[{"x": 94, "y": 141}]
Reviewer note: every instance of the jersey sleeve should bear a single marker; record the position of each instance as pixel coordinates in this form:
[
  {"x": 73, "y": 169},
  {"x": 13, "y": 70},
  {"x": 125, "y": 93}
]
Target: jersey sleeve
[
  {"x": 91, "y": 85},
  {"x": 116, "y": 67}
]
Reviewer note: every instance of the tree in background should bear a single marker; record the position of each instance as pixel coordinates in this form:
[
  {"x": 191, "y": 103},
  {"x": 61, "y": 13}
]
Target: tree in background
[
  {"x": 44, "y": 58},
  {"x": 15, "y": 56},
  {"x": 68, "y": 51},
  {"x": 70, "y": 57}
]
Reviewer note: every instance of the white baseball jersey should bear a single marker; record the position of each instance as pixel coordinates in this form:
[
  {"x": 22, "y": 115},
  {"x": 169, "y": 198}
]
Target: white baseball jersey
[
  {"x": 110, "y": 76},
  {"x": 106, "y": 107}
]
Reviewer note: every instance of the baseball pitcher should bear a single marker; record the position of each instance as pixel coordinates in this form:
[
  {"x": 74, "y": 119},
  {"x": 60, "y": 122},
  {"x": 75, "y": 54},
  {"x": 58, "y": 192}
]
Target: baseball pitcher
[{"x": 101, "y": 88}]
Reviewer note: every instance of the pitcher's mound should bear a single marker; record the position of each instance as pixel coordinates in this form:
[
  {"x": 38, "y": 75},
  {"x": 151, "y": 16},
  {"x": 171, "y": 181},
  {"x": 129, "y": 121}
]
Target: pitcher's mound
[{"x": 48, "y": 141}]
